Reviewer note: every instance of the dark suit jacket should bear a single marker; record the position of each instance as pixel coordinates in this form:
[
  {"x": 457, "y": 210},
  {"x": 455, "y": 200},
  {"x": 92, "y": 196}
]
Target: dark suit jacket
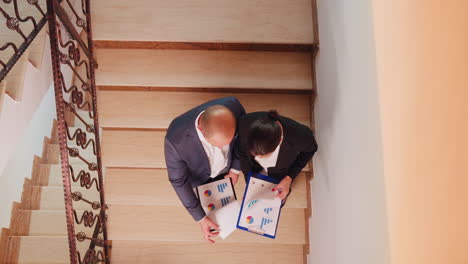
[
  {"x": 186, "y": 160},
  {"x": 297, "y": 148}
]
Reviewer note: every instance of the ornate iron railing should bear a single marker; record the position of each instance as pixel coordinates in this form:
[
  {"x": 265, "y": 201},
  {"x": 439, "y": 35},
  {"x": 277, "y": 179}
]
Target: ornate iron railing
[
  {"x": 78, "y": 130},
  {"x": 20, "y": 22}
]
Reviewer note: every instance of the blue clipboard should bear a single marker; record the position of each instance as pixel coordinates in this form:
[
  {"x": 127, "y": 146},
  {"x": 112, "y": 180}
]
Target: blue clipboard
[{"x": 267, "y": 179}]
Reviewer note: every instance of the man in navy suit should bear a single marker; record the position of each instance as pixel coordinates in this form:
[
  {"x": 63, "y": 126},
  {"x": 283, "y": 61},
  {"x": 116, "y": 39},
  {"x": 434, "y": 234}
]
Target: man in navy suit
[{"x": 198, "y": 149}]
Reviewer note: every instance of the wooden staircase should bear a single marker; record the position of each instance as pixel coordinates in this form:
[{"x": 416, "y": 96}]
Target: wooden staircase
[
  {"x": 158, "y": 59},
  {"x": 13, "y": 82}
]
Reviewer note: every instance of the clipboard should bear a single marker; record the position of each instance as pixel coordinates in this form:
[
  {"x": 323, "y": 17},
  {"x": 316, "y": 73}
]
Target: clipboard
[{"x": 260, "y": 215}]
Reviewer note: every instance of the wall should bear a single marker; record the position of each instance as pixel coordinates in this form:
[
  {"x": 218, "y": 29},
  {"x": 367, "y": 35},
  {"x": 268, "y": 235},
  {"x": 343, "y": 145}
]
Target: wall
[
  {"x": 349, "y": 223},
  {"x": 20, "y": 163},
  {"x": 421, "y": 51},
  {"x": 23, "y": 128},
  {"x": 15, "y": 116}
]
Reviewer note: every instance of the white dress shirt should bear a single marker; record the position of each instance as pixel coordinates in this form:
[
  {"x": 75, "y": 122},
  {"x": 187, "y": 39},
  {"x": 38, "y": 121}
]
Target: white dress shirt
[
  {"x": 269, "y": 161},
  {"x": 217, "y": 157}
]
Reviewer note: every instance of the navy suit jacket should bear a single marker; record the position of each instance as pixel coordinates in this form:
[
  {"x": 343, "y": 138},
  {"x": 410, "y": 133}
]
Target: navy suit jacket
[{"x": 186, "y": 160}]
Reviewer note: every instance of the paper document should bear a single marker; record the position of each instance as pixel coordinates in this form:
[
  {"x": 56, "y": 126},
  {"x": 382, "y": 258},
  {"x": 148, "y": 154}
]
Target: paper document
[{"x": 218, "y": 199}]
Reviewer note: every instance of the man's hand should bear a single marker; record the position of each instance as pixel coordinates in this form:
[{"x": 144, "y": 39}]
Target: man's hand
[
  {"x": 234, "y": 176},
  {"x": 206, "y": 225},
  {"x": 283, "y": 187}
]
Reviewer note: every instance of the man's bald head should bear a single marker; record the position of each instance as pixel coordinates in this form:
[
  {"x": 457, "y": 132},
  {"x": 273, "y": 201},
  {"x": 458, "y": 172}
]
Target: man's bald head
[{"x": 218, "y": 125}]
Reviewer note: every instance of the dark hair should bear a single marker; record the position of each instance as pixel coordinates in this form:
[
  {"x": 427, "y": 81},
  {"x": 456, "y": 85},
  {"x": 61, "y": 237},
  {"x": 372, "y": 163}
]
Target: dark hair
[{"x": 264, "y": 134}]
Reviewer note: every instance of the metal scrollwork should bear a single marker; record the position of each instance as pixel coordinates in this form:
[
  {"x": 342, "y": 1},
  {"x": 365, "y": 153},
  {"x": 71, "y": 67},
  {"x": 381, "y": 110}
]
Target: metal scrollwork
[
  {"x": 78, "y": 131},
  {"x": 26, "y": 27}
]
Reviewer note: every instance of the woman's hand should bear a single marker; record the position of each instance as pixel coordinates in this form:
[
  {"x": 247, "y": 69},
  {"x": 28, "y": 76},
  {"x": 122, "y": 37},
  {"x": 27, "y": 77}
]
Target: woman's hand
[{"x": 283, "y": 187}]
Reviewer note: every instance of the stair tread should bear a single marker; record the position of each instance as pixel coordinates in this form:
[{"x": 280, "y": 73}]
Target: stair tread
[
  {"x": 244, "y": 21},
  {"x": 152, "y": 187},
  {"x": 41, "y": 249},
  {"x": 15, "y": 78},
  {"x": 143, "y": 187},
  {"x": 54, "y": 249},
  {"x": 48, "y": 223},
  {"x": 125, "y": 251},
  {"x": 52, "y": 197},
  {"x": 51, "y": 174},
  {"x": 134, "y": 148},
  {"x": 147, "y": 109},
  {"x": 204, "y": 69},
  {"x": 53, "y": 154},
  {"x": 171, "y": 223},
  {"x": 154, "y": 226}
]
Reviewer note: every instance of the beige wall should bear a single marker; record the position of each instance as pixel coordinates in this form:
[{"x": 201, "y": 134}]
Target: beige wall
[
  {"x": 348, "y": 223},
  {"x": 422, "y": 68}
]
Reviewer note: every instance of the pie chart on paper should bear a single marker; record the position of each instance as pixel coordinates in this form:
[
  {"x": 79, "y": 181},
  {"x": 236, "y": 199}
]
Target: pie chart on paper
[{"x": 211, "y": 207}]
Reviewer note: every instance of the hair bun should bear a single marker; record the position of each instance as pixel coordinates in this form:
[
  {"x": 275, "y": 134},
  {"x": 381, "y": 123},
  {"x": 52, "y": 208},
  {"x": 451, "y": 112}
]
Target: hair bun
[{"x": 273, "y": 114}]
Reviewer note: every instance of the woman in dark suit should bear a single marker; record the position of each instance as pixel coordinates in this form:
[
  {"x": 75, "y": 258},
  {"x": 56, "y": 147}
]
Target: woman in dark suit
[{"x": 276, "y": 146}]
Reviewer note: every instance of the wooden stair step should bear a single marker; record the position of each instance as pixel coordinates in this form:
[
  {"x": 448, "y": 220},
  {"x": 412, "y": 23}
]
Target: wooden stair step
[
  {"x": 148, "y": 109},
  {"x": 52, "y": 198},
  {"x": 135, "y": 148},
  {"x": 244, "y": 21},
  {"x": 152, "y": 187},
  {"x": 15, "y": 78},
  {"x": 51, "y": 174},
  {"x": 46, "y": 223},
  {"x": 204, "y": 69},
  {"x": 53, "y": 155},
  {"x": 40, "y": 250},
  {"x": 54, "y": 249},
  {"x": 146, "y": 252},
  {"x": 173, "y": 223}
]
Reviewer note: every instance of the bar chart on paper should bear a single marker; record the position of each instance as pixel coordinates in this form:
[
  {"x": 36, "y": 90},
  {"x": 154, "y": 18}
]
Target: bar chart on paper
[
  {"x": 265, "y": 221},
  {"x": 225, "y": 200},
  {"x": 222, "y": 187}
]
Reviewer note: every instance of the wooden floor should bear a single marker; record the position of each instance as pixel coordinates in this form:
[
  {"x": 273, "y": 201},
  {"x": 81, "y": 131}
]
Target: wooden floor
[{"x": 157, "y": 60}]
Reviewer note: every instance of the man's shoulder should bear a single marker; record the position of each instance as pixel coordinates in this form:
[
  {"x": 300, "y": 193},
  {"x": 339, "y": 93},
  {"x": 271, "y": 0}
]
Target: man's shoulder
[{"x": 180, "y": 126}]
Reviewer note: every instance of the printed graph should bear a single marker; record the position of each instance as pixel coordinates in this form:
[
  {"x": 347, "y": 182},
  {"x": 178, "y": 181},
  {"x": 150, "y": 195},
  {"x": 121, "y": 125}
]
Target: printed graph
[
  {"x": 252, "y": 203},
  {"x": 222, "y": 187},
  {"x": 268, "y": 210},
  {"x": 265, "y": 221},
  {"x": 211, "y": 207},
  {"x": 225, "y": 200}
]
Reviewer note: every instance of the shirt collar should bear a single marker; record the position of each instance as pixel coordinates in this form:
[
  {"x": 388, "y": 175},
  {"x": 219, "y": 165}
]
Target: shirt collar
[{"x": 199, "y": 132}]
